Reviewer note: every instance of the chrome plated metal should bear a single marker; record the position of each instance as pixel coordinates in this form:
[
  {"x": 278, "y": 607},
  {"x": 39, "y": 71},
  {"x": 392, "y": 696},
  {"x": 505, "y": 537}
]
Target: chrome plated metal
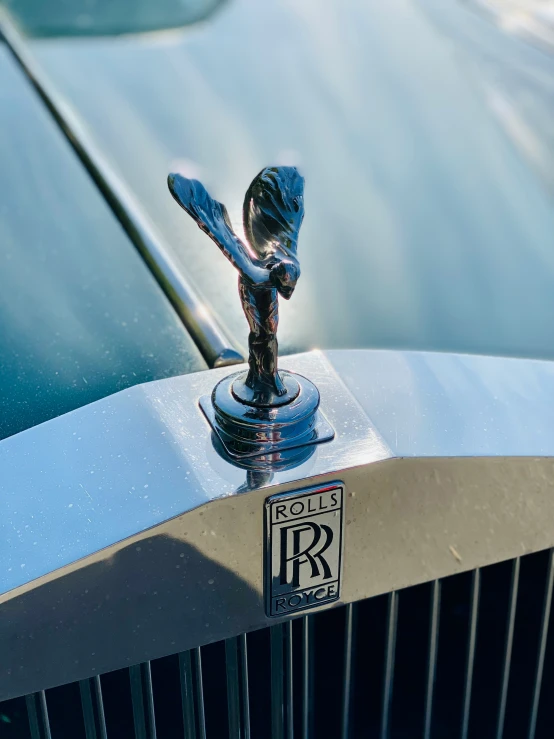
[
  {"x": 542, "y": 646},
  {"x": 259, "y": 410},
  {"x": 433, "y": 649},
  {"x": 88, "y": 710},
  {"x": 93, "y": 708},
  {"x": 245, "y": 691},
  {"x": 32, "y": 714},
  {"x": 192, "y": 694},
  {"x": 276, "y": 636},
  {"x": 307, "y": 677},
  {"x": 187, "y": 695},
  {"x": 508, "y": 648},
  {"x": 199, "y": 686},
  {"x": 348, "y": 676},
  {"x": 214, "y": 344},
  {"x": 144, "y": 719},
  {"x": 282, "y": 689},
  {"x": 288, "y": 675},
  {"x": 130, "y": 489},
  {"x": 273, "y": 211},
  {"x": 390, "y": 648},
  {"x": 304, "y": 544},
  {"x": 233, "y": 688},
  {"x": 246, "y": 431},
  {"x": 471, "y": 642},
  {"x": 37, "y": 711},
  {"x": 236, "y": 668}
]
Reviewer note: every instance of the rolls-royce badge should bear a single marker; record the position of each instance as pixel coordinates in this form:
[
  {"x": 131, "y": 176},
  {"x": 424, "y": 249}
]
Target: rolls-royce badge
[
  {"x": 303, "y": 549},
  {"x": 262, "y": 410}
]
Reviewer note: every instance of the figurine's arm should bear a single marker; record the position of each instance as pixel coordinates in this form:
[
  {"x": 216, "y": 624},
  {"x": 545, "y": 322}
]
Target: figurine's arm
[{"x": 211, "y": 216}]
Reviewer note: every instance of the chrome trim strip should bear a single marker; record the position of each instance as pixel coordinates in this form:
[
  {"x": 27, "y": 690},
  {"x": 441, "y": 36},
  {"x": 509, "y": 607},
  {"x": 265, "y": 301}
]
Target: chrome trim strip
[{"x": 216, "y": 347}]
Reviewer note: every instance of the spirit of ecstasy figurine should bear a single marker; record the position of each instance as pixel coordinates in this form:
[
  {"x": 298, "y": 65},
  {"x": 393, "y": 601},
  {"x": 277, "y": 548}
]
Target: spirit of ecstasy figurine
[{"x": 261, "y": 410}]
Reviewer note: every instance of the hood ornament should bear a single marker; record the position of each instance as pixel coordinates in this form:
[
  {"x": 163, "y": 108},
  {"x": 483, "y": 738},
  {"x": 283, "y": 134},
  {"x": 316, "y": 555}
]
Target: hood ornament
[{"x": 260, "y": 411}]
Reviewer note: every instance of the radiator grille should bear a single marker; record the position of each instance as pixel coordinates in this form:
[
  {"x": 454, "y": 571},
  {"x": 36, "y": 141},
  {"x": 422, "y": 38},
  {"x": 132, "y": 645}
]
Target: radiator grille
[{"x": 469, "y": 656}]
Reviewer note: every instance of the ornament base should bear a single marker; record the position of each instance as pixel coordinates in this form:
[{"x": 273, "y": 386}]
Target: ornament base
[{"x": 249, "y": 431}]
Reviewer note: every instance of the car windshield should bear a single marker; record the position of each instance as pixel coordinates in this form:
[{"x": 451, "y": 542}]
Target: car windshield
[{"x": 105, "y": 17}]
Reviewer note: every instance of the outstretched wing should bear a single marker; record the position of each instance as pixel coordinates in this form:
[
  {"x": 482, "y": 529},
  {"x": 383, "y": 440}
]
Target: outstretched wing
[
  {"x": 212, "y": 217},
  {"x": 273, "y": 211}
]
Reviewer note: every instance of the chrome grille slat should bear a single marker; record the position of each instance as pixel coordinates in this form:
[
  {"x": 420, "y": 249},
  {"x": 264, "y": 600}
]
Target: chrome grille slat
[
  {"x": 142, "y": 697},
  {"x": 307, "y": 677},
  {"x": 542, "y": 646},
  {"x": 243, "y": 661},
  {"x": 472, "y": 639},
  {"x": 93, "y": 708},
  {"x": 187, "y": 695},
  {"x": 33, "y": 716},
  {"x": 97, "y": 691},
  {"x": 201, "y": 711},
  {"x": 508, "y": 650},
  {"x": 390, "y": 648},
  {"x": 433, "y": 648},
  {"x": 233, "y": 692},
  {"x": 349, "y": 641},
  {"x": 88, "y": 710},
  {"x": 277, "y": 683},
  {"x": 37, "y": 711},
  {"x": 289, "y": 693},
  {"x": 236, "y": 668}
]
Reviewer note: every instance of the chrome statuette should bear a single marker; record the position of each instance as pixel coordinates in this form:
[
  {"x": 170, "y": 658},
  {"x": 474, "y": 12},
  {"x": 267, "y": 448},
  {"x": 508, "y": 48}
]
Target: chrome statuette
[{"x": 259, "y": 411}]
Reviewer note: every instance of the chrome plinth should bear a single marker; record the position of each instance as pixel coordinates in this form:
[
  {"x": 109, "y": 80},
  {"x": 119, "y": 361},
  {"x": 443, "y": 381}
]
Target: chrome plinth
[{"x": 246, "y": 429}]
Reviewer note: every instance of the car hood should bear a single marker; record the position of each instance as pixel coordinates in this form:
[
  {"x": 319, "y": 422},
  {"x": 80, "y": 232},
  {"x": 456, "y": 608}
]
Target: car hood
[{"x": 421, "y": 129}]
